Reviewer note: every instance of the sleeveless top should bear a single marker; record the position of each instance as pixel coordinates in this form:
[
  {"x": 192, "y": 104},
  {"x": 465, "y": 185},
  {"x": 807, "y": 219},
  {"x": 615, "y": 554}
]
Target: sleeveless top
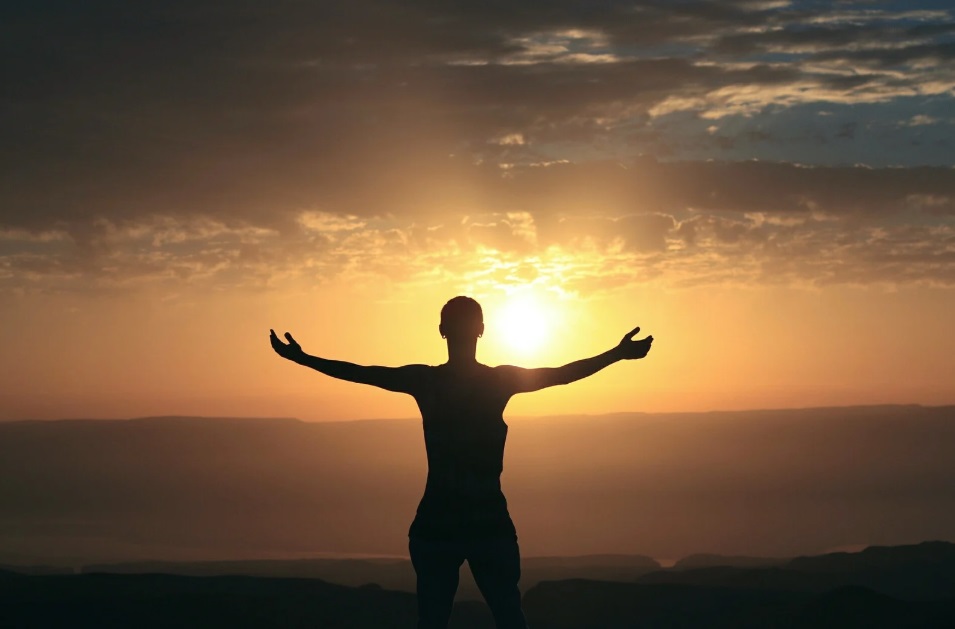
[{"x": 464, "y": 434}]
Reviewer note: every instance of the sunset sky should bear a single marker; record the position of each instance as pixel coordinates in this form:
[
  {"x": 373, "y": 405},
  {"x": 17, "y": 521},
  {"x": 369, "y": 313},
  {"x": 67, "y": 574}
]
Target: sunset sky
[{"x": 765, "y": 186}]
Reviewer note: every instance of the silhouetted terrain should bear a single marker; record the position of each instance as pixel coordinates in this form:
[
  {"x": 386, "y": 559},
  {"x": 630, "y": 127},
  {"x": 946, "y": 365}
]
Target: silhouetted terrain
[
  {"x": 703, "y": 560},
  {"x": 759, "y": 483},
  {"x": 35, "y": 570},
  {"x": 395, "y": 574},
  {"x": 164, "y": 601},
  {"x": 601, "y": 605},
  {"x": 920, "y": 572},
  {"x": 784, "y": 597}
]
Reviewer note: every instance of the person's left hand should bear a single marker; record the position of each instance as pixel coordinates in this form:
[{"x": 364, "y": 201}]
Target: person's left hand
[
  {"x": 291, "y": 350},
  {"x": 630, "y": 349}
]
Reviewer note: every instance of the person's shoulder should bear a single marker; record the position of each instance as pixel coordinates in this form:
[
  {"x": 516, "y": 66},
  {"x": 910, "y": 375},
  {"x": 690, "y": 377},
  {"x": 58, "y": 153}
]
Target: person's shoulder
[
  {"x": 417, "y": 377},
  {"x": 506, "y": 372}
]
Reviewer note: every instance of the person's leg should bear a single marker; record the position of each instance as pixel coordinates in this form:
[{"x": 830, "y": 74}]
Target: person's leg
[
  {"x": 496, "y": 566},
  {"x": 436, "y": 565}
]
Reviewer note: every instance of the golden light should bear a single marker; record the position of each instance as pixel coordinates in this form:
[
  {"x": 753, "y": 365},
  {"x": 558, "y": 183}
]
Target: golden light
[{"x": 522, "y": 324}]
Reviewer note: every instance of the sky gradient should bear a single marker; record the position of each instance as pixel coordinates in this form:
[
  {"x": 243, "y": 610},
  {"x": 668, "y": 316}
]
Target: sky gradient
[{"x": 765, "y": 186}]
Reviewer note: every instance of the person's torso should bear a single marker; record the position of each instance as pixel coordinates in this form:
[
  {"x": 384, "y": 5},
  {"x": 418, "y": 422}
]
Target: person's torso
[{"x": 465, "y": 433}]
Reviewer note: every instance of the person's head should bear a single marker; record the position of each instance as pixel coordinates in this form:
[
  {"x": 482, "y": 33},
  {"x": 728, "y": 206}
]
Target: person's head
[{"x": 461, "y": 318}]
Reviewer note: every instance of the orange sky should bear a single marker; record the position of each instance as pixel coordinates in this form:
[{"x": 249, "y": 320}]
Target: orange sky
[{"x": 197, "y": 353}]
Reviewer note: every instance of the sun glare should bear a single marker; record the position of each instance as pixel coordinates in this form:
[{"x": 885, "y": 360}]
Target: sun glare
[{"x": 523, "y": 324}]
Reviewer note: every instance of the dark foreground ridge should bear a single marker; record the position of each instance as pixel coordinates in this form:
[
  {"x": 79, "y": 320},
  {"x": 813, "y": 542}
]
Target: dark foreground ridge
[
  {"x": 593, "y": 605},
  {"x": 891, "y": 587},
  {"x": 390, "y": 573}
]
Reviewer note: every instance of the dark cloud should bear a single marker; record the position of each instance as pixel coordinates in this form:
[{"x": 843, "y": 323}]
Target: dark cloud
[
  {"x": 620, "y": 187},
  {"x": 186, "y": 156},
  {"x": 888, "y": 57},
  {"x": 216, "y": 125},
  {"x": 791, "y": 34}
]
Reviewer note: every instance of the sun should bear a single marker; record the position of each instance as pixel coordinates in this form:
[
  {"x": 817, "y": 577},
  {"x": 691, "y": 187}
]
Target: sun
[{"x": 523, "y": 324}]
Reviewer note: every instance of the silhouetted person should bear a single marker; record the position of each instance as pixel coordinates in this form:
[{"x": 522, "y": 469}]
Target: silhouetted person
[{"x": 463, "y": 514}]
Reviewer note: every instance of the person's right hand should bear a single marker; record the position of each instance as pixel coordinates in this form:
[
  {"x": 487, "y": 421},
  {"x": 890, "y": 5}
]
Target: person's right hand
[
  {"x": 630, "y": 349},
  {"x": 291, "y": 350}
]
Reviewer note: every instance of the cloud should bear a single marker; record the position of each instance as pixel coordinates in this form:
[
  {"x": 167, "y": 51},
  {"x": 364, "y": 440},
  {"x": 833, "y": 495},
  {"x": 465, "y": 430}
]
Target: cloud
[
  {"x": 188, "y": 85},
  {"x": 210, "y": 143},
  {"x": 577, "y": 224}
]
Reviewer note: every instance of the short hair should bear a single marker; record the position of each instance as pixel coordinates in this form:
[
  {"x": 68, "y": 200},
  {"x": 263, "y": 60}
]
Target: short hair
[{"x": 461, "y": 316}]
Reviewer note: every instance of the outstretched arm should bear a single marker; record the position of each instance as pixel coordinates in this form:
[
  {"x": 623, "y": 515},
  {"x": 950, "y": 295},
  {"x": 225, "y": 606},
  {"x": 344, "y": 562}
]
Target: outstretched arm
[
  {"x": 526, "y": 380},
  {"x": 400, "y": 379}
]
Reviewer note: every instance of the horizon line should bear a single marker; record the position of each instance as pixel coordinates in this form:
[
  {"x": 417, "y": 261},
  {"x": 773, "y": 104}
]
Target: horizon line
[{"x": 522, "y": 416}]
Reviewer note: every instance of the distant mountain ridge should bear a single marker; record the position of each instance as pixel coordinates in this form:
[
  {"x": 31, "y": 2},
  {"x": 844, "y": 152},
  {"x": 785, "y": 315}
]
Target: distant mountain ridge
[
  {"x": 766, "y": 483},
  {"x": 395, "y": 574},
  {"x": 931, "y": 552},
  {"x": 917, "y": 572},
  {"x": 852, "y": 409},
  {"x": 704, "y": 560}
]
